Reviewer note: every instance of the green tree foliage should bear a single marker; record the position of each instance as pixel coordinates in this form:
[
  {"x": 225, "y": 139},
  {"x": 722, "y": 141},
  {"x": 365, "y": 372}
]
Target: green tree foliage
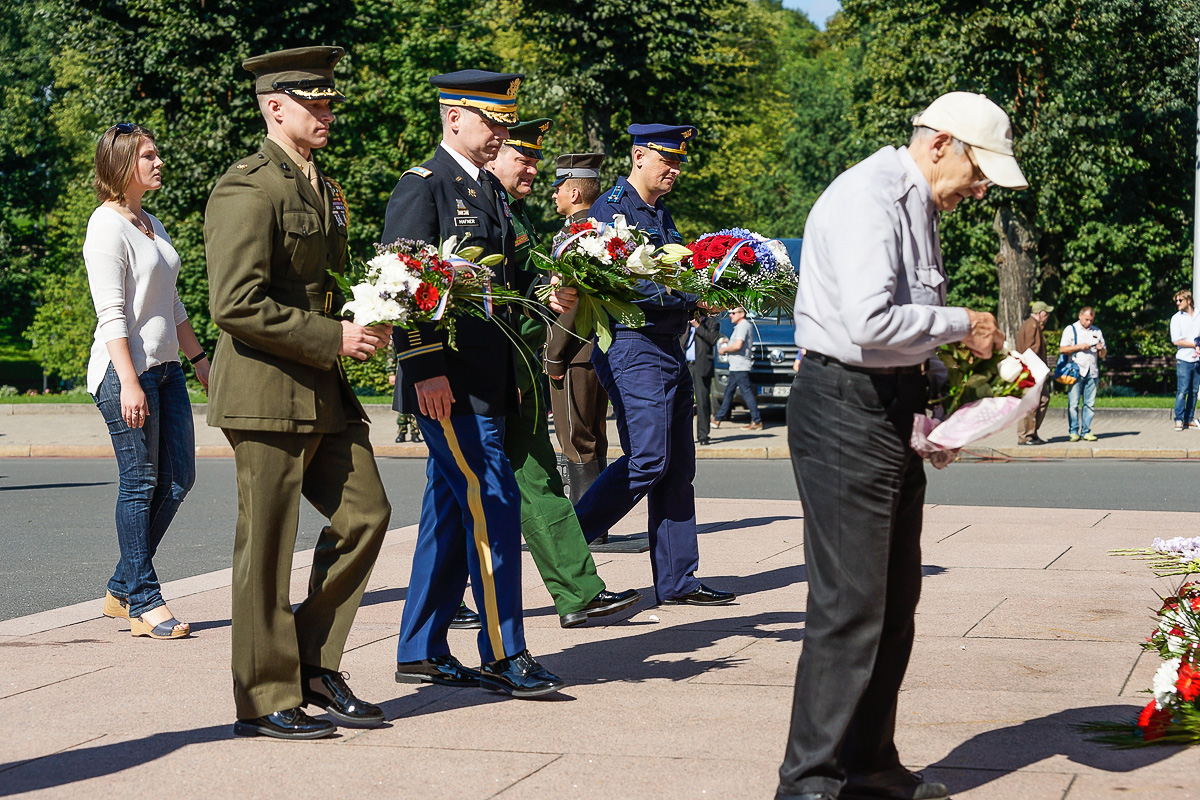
[
  {"x": 63, "y": 326},
  {"x": 1100, "y": 93}
]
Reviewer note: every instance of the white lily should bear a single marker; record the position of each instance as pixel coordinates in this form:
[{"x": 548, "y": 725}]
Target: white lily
[
  {"x": 620, "y": 227},
  {"x": 673, "y": 253},
  {"x": 641, "y": 261},
  {"x": 448, "y": 247}
]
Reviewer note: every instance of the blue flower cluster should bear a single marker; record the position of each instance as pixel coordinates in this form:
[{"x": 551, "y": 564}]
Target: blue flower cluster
[{"x": 762, "y": 253}]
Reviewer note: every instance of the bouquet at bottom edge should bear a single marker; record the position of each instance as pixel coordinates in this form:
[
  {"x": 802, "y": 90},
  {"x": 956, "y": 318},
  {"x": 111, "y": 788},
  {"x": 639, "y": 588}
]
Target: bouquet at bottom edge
[
  {"x": 410, "y": 281},
  {"x": 1173, "y": 716},
  {"x": 983, "y": 396}
]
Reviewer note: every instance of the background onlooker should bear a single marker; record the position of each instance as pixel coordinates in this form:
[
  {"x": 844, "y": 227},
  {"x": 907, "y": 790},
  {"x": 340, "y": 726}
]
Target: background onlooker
[
  {"x": 740, "y": 349},
  {"x": 134, "y": 372},
  {"x": 1085, "y": 343},
  {"x": 1031, "y": 336},
  {"x": 1185, "y": 334},
  {"x": 698, "y": 343}
]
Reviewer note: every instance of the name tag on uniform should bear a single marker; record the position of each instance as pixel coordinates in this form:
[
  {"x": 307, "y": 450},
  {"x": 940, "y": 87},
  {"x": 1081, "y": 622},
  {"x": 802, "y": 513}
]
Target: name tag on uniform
[{"x": 467, "y": 222}]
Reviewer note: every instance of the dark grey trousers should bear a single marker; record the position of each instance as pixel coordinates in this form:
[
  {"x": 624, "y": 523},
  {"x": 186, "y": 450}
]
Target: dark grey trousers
[{"x": 862, "y": 489}]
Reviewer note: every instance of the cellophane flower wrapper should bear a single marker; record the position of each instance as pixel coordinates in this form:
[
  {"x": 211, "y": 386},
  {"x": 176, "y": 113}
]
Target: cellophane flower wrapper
[
  {"x": 759, "y": 275},
  {"x": 978, "y": 419}
]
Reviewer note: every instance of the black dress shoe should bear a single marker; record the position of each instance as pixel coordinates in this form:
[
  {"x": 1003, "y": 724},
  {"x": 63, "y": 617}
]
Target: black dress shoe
[
  {"x": 805, "y": 796},
  {"x": 703, "y": 596},
  {"x": 519, "y": 676},
  {"x": 602, "y": 604},
  {"x": 443, "y": 670},
  {"x": 335, "y": 697},
  {"x": 401, "y": 437},
  {"x": 892, "y": 786},
  {"x": 466, "y": 619},
  {"x": 290, "y": 723},
  {"x": 704, "y": 441}
]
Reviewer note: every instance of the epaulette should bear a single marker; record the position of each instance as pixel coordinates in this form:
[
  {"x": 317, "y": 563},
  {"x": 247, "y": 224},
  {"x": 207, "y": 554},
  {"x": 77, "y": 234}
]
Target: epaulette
[
  {"x": 615, "y": 195},
  {"x": 250, "y": 163},
  {"x": 420, "y": 172}
]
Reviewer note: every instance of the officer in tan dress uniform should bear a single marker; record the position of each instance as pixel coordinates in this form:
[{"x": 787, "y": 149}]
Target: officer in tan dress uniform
[
  {"x": 578, "y": 400},
  {"x": 274, "y": 227}
]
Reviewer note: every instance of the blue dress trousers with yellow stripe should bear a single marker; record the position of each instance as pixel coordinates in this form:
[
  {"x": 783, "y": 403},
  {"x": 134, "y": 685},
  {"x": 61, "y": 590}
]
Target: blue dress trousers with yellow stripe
[{"x": 471, "y": 509}]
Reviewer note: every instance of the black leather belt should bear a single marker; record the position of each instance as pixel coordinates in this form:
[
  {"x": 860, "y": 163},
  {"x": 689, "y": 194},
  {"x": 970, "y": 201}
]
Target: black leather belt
[{"x": 914, "y": 369}]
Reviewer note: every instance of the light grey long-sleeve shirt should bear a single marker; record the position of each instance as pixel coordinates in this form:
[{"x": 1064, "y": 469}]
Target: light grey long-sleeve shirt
[{"x": 872, "y": 288}]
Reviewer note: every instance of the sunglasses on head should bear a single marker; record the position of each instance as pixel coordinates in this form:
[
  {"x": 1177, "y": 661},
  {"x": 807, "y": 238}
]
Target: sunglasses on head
[{"x": 123, "y": 127}]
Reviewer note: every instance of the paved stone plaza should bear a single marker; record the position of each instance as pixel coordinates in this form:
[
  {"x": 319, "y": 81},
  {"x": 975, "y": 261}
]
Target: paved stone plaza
[{"x": 1026, "y": 626}]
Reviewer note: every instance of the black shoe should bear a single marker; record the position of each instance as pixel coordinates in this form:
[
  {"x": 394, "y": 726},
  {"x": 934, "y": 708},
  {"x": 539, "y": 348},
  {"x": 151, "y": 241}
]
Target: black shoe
[
  {"x": 290, "y": 723},
  {"x": 1035, "y": 439},
  {"x": 519, "y": 676},
  {"x": 415, "y": 436},
  {"x": 339, "y": 702},
  {"x": 703, "y": 596},
  {"x": 602, "y": 605},
  {"x": 400, "y": 437},
  {"x": 704, "y": 441},
  {"x": 805, "y": 796},
  {"x": 443, "y": 670},
  {"x": 466, "y": 619},
  {"x": 892, "y": 786}
]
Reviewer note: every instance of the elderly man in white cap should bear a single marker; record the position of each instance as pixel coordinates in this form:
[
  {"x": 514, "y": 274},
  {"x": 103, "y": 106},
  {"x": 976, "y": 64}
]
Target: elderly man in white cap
[{"x": 871, "y": 312}]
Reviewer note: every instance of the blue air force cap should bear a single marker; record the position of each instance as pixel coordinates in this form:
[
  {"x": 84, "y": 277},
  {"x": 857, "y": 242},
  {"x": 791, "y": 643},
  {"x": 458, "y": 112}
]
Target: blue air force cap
[
  {"x": 527, "y": 137},
  {"x": 493, "y": 94},
  {"x": 671, "y": 141}
]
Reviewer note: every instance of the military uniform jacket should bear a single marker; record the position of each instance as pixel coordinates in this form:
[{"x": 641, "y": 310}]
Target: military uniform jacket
[
  {"x": 666, "y": 314},
  {"x": 270, "y": 241},
  {"x": 431, "y": 203}
]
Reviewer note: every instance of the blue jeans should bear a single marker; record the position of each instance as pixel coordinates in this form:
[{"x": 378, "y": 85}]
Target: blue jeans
[
  {"x": 741, "y": 382},
  {"x": 1085, "y": 388},
  {"x": 1187, "y": 379},
  {"x": 157, "y": 465}
]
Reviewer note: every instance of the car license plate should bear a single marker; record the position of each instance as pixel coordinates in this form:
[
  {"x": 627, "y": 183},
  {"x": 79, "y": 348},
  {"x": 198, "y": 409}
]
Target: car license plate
[{"x": 775, "y": 391}]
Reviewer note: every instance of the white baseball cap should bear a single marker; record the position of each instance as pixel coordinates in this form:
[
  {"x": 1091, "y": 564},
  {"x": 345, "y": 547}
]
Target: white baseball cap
[{"x": 977, "y": 121}]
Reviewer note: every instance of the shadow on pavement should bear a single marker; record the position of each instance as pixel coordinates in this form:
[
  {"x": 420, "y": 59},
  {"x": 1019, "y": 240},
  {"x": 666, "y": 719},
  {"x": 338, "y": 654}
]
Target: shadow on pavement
[
  {"x": 85, "y": 763},
  {"x": 994, "y": 754},
  {"x": 749, "y": 522}
]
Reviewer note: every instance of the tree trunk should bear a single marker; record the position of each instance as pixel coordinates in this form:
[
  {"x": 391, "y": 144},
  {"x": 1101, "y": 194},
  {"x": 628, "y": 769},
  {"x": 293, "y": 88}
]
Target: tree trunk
[
  {"x": 597, "y": 124},
  {"x": 1016, "y": 268}
]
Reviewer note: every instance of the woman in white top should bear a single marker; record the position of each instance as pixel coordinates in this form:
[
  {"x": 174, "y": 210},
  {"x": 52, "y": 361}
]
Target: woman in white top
[{"x": 135, "y": 374}]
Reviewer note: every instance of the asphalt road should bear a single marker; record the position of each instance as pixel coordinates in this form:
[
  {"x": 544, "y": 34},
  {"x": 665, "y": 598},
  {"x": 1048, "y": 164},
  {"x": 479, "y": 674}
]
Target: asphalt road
[{"x": 59, "y": 544}]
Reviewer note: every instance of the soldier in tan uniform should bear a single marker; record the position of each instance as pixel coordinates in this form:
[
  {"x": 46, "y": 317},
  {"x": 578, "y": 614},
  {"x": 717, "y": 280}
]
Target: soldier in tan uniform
[{"x": 274, "y": 227}]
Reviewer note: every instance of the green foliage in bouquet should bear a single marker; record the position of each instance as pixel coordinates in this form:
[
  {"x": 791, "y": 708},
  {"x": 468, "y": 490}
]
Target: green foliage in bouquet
[
  {"x": 971, "y": 378},
  {"x": 605, "y": 290}
]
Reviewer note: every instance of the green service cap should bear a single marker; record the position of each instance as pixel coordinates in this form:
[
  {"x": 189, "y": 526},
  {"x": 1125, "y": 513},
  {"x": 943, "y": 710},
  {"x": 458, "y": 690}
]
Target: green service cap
[{"x": 303, "y": 72}]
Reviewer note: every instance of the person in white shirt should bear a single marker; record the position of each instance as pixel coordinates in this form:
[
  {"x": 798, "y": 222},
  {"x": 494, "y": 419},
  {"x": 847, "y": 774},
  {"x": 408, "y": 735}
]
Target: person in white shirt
[
  {"x": 134, "y": 373},
  {"x": 1084, "y": 342},
  {"x": 870, "y": 310},
  {"x": 1185, "y": 334},
  {"x": 739, "y": 349}
]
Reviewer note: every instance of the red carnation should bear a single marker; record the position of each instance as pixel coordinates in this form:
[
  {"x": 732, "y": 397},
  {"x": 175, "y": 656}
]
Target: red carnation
[
  {"x": 1153, "y": 721},
  {"x": 426, "y": 297},
  {"x": 580, "y": 227},
  {"x": 617, "y": 248},
  {"x": 745, "y": 254},
  {"x": 1025, "y": 380}
]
